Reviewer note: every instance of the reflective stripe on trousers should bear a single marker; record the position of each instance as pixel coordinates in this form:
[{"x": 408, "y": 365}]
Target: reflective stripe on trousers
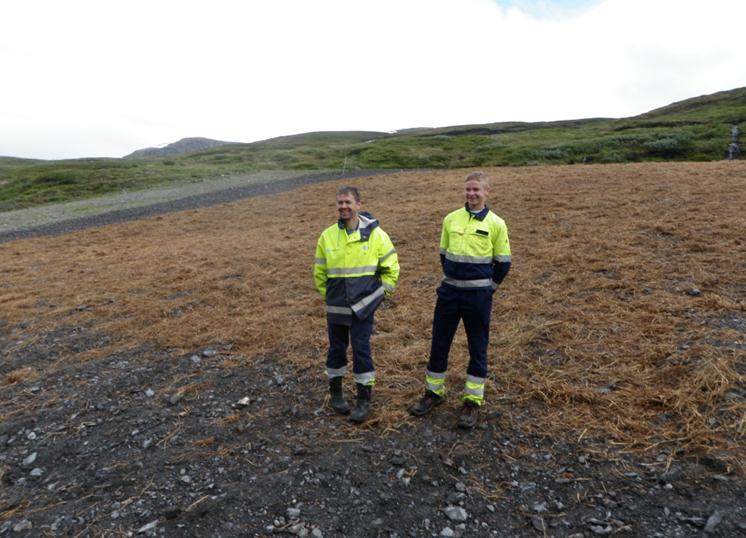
[
  {"x": 435, "y": 382},
  {"x": 474, "y": 389}
]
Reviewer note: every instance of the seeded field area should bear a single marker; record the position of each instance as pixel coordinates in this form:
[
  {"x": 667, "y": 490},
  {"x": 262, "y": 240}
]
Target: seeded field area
[{"x": 621, "y": 326}]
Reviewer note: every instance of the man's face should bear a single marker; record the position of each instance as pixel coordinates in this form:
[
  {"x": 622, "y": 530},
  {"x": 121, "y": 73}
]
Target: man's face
[
  {"x": 475, "y": 194},
  {"x": 347, "y": 206}
]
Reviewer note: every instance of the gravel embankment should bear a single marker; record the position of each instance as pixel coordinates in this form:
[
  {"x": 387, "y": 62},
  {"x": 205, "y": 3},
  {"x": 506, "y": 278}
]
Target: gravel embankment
[{"x": 72, "y": 216}]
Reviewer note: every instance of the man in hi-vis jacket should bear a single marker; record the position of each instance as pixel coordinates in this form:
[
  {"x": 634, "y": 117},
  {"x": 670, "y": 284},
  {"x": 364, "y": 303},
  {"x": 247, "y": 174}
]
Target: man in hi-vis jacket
[
  {"x": 475, "y": 256},
  {"x": 356, "y": 266}
]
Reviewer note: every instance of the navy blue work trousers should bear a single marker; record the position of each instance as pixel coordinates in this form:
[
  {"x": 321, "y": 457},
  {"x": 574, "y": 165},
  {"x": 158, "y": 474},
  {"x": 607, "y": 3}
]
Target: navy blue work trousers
[
  {"x": 339, "y": 338},
  {"x": 474, "y": 307}
]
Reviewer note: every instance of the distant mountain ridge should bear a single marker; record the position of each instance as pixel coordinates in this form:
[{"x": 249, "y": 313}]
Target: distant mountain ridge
[{"x": 185, "y": 145}]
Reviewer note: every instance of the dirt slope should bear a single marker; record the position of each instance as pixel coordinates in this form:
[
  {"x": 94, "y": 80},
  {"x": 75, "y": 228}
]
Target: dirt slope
[{"x": 616, "y": 401}]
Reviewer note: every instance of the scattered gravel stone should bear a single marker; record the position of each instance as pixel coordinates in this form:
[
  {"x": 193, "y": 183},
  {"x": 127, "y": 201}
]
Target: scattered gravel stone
[
  {"x": 149, "y": 527},
  {"x": 601, "y": 530},
  {"x": 149, "y": 393},
  {"x": 447, "y": 533},
  {"x": 36, "y": 472},
  {"x": 292, "y": 513},
  {"x": 28, "y": 460},
  {"x": 672, "y": 475},
  {"x": 455, "y": 513},
  {"x": 713, "y": 521},
  {"x": 537, "y": 522},
  {"x": 22, "y": 526},
  {"x": 693, "y": 292},
  {"x": 540, "y": 508}
]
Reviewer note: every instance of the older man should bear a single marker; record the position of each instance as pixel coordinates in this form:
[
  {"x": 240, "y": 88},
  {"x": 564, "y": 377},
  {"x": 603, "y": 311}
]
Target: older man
[{"x": 356, "y": 266}]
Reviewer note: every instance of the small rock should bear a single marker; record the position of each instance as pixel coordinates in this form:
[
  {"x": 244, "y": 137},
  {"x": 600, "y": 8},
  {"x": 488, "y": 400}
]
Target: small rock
[
  {"x": 28, "y": 460},
  {"x": 195, "y": 360},
  {"x": 447, "y": 533},
  {"x": 397, "y": 459},
  {"x": 713, "y": 521},
  {"x": 378, "y": 522},
  {"x": 149, "y": 393},
  {"x": 537, "y": 522},
  {"x": 316, "y": 533},
  {"x": 149, "y": 527},
  {"x": 175, "y": 398},
  {"x": 601, "y": 531},
  {"x": 243, "y": 402},
  {"x": 455, "y": 513},
  {"x": 31, "y": 436},
  {"x": 185, "y": 478},
  {"x": 673, "y": 474},
  {"x": 292, "y": 513},
  {"x": 24, "y": 525},
  {"x": 491, "y": 508},
  {"x": 460, "y": 486},
  {"x": 540, "y": 507},
  {"x": 36, "y": 472},
  {"x": 207, "y": 353},
  {"x": 146, "y": 443},
  {"x": 172, "y": 513},
  {"x": 693, "y": 292}
]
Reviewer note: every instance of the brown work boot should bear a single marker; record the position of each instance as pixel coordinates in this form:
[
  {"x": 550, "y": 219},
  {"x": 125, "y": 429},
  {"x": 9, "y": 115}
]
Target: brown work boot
[
  {"x": 426, "y": 404},
  {"x": 469, "y": 413}
]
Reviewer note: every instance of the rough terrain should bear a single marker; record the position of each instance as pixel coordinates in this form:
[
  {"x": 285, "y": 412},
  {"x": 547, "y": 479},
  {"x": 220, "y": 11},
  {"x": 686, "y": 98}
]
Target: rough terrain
[{"x": 151, "y": 390}]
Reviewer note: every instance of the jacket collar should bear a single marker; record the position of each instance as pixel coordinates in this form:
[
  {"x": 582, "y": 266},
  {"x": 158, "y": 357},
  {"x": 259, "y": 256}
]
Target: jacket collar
[
  {"x": 366, "y": 224},
  {"x": 480, "y": 215}
]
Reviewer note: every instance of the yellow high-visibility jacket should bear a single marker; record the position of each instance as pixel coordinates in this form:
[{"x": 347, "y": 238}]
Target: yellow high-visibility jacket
[
  {"x": 354, "y": 271},
  {"x": 474, "y": 250}
]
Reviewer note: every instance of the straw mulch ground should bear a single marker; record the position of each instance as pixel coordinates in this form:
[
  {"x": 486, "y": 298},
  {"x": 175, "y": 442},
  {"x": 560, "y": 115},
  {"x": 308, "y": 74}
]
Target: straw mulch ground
[{"x": 623, "y": 319}]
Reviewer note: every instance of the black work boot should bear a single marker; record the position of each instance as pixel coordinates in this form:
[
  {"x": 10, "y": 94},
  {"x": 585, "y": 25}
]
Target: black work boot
[
  {"x": 469, "y": 413},
  {"x": 362, "y": 405},
  {"x": 426, "y": 404},
  {"x": 339, "y": 404}
]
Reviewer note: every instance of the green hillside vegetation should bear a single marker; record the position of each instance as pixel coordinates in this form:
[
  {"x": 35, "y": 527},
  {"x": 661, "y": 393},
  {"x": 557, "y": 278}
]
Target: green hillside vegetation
[{"x": 696, "y": 129}]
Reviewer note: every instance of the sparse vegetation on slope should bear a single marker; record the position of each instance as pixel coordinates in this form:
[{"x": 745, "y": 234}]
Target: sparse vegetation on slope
[{"x": 693, "y": 130}]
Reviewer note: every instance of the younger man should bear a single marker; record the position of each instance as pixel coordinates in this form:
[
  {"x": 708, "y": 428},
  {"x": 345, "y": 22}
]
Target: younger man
[{"x": 475, "y": 256}]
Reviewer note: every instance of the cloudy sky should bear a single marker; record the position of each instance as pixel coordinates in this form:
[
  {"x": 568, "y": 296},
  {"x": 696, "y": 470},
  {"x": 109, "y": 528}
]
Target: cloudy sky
[{"x": 90, "y": 78}]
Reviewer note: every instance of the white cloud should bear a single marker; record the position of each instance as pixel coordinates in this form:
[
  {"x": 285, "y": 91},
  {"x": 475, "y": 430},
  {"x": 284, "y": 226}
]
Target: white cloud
[{"x": 89, "y": 78}]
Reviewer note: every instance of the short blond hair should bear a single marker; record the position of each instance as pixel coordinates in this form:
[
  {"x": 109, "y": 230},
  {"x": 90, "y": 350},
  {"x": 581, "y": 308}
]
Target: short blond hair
[{"x": 483, "y": 178}]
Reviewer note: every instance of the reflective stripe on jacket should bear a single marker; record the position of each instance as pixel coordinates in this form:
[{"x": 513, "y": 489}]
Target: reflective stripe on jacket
[
  {"x": 354, "y": 271},
  {"x": 474, "y": 249}
]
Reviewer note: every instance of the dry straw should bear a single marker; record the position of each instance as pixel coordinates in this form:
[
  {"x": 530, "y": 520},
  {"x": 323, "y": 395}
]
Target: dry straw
[{"x": 622, "y": 320}]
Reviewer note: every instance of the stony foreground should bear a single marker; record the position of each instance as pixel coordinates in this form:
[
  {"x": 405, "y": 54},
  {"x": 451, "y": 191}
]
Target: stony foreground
[{"x": 108, "y": 448}]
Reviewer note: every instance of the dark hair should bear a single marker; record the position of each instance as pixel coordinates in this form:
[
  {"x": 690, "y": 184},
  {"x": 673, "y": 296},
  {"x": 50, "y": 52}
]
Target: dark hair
[{"x": 350, "y": 190}]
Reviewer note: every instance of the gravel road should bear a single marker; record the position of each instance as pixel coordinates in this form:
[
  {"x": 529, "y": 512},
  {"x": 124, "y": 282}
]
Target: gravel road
[{"x": 72, "y": 216}]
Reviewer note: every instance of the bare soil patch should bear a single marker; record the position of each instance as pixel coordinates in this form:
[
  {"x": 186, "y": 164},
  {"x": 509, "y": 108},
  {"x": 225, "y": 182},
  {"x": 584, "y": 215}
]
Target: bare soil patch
[{"x": 617, "y": 394}]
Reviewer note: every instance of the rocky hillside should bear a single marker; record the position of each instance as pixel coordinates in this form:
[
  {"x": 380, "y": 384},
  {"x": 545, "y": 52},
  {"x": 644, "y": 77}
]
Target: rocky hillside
[{"x": 185, "y": 145}]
